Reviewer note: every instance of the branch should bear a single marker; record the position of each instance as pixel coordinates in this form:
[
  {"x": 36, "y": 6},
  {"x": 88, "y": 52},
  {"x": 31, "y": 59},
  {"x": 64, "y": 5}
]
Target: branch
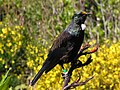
[
  {"x": 67, "y": 75},
  {"x": 90, "y": 52},
  {"x": 77, "y": 83},
  {"x": 86, "y": 46},
  {"x": 66, "y": 79}
]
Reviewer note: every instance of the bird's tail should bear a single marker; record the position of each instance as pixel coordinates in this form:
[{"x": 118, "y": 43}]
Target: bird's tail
[{"x": 38, "y": 75}]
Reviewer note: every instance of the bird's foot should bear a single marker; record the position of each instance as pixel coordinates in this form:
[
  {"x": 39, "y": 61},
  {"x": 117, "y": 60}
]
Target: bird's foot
[{"x": 65, "y": 73}]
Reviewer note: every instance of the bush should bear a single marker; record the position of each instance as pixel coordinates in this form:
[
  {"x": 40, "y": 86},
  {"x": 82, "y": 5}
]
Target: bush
[
  {"x": 105, "y": 68},
  {"x": 28, "y": 28}
]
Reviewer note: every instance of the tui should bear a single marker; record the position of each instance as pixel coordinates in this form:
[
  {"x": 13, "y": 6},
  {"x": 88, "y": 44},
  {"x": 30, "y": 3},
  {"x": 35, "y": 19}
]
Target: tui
[{"x": 66, "y": 46}]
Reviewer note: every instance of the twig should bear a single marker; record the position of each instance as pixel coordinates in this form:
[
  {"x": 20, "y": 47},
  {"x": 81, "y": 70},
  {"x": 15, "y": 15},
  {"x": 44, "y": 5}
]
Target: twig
[
  {"x": 66, "y": 80},
  {"x": 75, "y": 84},
  {"x": 85, "y": 53}
]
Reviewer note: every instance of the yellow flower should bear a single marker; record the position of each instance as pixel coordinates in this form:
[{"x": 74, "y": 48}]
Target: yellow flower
[
  {"x": 13, "y": 61},
  {"x": 32, "y": 52},
  {"x": 0, "y": 59},
  {"x": 1, "y": 45},
  {"x": 13, "y": 32},
  {"x": 36, "y": 50},
  {"x": 4, "y": 30},
  {"x": 19, "y": 36},
  {"x": 37, "y": 59},
  {"x": 19, "y": 43},
  {"x": 30, "y": 63},
  {"x": 15, "y": 39},
  {"x": 8, "y": 40},
  {"x": 107, "y": 41},
  {"x": 93, "y": 55},
  {"x": 45, "y": 56},
  {"x": 18, "y": 27},
  {"x": 6, "y": 66},
  {"x": 1, "y": 50},
  {"x": 9, "y": 44},
  {"x": 12, "y": 50},
  {"x": 1, "y": 35},
  {"x": 110, "y": 75}
]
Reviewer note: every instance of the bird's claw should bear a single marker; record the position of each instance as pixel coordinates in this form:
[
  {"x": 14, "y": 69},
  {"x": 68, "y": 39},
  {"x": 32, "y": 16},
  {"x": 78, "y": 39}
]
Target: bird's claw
[{"x": 64, "y": 74}]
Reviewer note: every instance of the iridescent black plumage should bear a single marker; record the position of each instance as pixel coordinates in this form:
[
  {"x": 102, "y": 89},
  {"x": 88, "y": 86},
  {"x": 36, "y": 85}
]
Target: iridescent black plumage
[{"x": 66, "y": 46}]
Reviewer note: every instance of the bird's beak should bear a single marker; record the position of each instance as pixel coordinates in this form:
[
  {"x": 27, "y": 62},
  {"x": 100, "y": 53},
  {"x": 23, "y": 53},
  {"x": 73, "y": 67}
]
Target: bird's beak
[{"x": 85, "y": 13}]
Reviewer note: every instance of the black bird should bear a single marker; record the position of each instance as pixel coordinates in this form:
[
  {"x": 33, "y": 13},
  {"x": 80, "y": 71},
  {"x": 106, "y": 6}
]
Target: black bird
[{"x": 66, "y": 46}]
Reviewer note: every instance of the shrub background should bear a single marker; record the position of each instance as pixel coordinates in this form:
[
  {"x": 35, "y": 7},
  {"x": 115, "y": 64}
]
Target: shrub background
[{"x": 28, "y": 28}]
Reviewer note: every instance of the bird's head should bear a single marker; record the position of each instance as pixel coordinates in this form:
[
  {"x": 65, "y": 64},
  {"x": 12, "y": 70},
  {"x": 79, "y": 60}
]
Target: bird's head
[{"x": 79, "y": 18}]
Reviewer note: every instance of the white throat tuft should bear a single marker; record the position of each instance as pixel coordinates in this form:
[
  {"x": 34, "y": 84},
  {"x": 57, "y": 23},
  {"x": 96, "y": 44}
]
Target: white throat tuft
[{"x": 83, "y": 26}]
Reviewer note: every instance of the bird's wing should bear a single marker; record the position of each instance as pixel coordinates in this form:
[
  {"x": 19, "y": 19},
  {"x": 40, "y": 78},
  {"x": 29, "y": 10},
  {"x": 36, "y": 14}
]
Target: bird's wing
[
  {"x": 59, "y": 49},
  {"x": 62, "y": 40}
]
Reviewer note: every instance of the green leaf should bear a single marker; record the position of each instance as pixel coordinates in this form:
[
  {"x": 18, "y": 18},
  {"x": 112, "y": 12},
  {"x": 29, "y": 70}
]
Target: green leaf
[{"x": 4, "y": 84}]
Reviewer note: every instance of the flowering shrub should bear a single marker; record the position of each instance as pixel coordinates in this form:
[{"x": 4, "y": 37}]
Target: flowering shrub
[
  {"x": 10, "y": 43},
  {"x": 105, "y": 68},
  {"x": 27, "y": 29}
]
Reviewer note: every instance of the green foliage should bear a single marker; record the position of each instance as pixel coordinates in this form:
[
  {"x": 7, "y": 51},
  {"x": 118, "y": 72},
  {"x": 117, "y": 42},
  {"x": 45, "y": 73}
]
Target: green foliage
[
  {"x": 28, "y": 29},
  {"x": 5, "y": 82},
  {"x": 10, "y": 45}
]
